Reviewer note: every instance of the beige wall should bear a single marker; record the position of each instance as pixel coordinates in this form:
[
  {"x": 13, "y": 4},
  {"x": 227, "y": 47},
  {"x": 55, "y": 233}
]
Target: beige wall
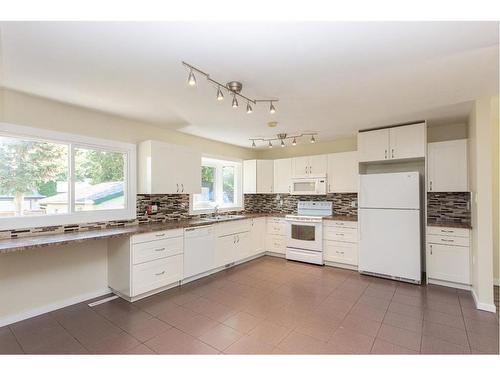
[
  {"x": 24, "y": 109},
  {"x": 322, "y": 147},
  {"x": 480, "y": 167},
  {"x": 496, "y": 193},
  {"x": 41, "y": 279},
  {"x": 446, "y": 132}
]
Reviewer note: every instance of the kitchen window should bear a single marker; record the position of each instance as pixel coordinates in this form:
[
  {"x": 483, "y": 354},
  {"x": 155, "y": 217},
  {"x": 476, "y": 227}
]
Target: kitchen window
[
  {"x": 53, "y": 178},
  {"x": 220, "y": 186}
]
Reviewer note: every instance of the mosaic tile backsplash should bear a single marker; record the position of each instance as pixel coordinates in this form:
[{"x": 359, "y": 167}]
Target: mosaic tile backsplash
[
  {"x": 176, "y": 207},
  {"x": 449, "y": 207},
  {"x": 343, "y": 204}
]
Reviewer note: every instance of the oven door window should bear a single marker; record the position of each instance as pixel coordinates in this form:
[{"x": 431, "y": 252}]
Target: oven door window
[{"x": 302, "y": 232}]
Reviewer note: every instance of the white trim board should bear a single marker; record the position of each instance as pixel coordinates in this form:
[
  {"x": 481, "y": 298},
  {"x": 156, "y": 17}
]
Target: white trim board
[
  {"x": 482, "y": 306},
  {"x": 9, "y": 319}
]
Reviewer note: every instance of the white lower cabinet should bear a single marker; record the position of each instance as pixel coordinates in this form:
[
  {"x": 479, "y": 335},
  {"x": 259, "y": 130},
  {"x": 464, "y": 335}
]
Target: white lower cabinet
[
  {"x": 144, "y": 264},
  {"x": 276, "y": 235},
  {"x": 340, "y": 243},
  {"x": 448, "y": 257},
  {"x": 257, "y": 238},
  {"x": 233, "y": 242}
]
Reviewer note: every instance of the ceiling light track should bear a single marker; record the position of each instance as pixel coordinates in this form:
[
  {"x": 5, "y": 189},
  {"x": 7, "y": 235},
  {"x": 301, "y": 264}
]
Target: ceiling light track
[
  {"x": 233, "y": 88},
  {"x": 282, "y": 137}
]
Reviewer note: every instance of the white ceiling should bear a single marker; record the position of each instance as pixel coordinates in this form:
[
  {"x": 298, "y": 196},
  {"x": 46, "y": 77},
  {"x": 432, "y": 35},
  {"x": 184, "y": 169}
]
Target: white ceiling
[{"x": 331, "y": 77}]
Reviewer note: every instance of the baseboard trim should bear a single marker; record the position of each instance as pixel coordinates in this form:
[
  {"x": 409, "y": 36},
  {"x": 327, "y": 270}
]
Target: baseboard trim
[
  {"x": 52, "y": 307},
  {"x": 483, "y": 306}
]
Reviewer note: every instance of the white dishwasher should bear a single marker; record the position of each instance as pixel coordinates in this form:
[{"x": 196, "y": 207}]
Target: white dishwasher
[{"x": 199, "y": 250}]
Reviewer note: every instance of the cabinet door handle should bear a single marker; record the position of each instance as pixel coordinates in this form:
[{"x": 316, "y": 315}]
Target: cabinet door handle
[
  {"x": 431, "y": 249},
  {"x": 445, "y": 240},
  {"x": 447, "y": 231},
  {"x": 177, "y": 187},
  {"x": 160, "y": 273},
  {"x": 385, "y": 157},
  {"x": 430, "y": 185},
  {"x": 159, "y": 235},
  {"x": 160, "y": 249},
  {"x": 238, "y": 239},
  {"x": 182, "y": 188},
  {"x": 392, "y": 153}
]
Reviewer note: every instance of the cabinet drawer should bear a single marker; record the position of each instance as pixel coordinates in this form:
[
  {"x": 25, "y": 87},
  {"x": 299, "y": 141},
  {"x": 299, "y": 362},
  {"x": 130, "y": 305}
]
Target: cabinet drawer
[
  {"x": 448, "y": 240},
  {"x": 147, "y": 251},
  {"x": 447, "y": 231},
  {"x": 159, "y": 235},
  {"x": 340, "y": 234},
  {"x": 275, "y": 244},
  {"x": 156, "y": 274},
  {"x": 237, "y": 226},
  {"x": 340, "y": 252},
  {"x": 340, "y": 224},
  {"x": 276, "y": 228}
]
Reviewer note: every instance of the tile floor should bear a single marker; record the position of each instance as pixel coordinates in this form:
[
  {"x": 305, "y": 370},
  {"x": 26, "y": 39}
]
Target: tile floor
[{"x": 266, "y": 306}]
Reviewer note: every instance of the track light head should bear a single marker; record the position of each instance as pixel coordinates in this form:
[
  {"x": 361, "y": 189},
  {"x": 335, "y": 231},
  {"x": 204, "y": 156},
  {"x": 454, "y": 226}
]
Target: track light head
[
  {"x": 235, "y": 102},
  {"x": 220, "y": 95},
  {"x": 270, "y": 144},
  {"x": 253, "y": 143},
  {"x": 294, "y": 143},
  {"x": 313, "y": 140},
  {"x": 191, "y": 78},
  {"x": 249, "y": 108},
  {"x": 272, "y": 109},
  {"x": 282, "y": 143}
]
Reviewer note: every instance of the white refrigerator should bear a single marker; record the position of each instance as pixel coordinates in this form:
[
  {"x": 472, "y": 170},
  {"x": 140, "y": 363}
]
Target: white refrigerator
[{"x": 389, "y": 226}]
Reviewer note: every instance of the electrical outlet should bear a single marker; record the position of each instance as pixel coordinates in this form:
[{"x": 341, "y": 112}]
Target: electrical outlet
[{"x": 354, "y": 204}]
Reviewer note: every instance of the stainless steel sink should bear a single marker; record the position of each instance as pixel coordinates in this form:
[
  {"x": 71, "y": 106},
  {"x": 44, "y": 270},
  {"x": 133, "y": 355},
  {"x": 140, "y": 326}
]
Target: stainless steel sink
[{"x": 222, "y": 218}]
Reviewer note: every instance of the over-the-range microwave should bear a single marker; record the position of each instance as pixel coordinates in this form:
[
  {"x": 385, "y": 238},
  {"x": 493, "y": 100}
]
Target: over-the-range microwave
[{"x": 309, "y": 186}]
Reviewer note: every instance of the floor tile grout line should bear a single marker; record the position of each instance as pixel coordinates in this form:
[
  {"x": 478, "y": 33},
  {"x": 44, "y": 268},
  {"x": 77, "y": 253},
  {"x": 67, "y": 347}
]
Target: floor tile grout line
[
  {"x": 382, "y": 322},
  {"x": 466, "y": 330},
  {"x": 16, "y": 338}
]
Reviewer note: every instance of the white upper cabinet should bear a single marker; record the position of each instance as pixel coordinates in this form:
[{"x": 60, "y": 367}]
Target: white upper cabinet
[
  {"x": 165, "y": 168},
  {"x": 343, "y": 172},
  {"x": 399, "y": 142},
  {"x": 447, "y": 166},
  {"x": 407, "y": 141},
  {"x": 309, "y": 166},
  {"x": 258, "y": 176},
  {"x": 282, "y": 176},
  {"x": 373, "y": 145}
]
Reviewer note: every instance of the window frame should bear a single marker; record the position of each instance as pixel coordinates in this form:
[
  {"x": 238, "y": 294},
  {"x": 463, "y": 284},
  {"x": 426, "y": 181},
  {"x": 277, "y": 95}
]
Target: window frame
[
  {"x": 74, "y": 141},
  {"x": 219, "y": 162}
]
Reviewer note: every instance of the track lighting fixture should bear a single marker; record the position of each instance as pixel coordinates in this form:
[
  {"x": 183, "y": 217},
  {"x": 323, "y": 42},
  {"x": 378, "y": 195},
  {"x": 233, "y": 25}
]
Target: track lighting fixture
[
  {"x": 272, "y": 109},
  {"x": 233, "y": 88},
  {"x": 282, "y": 137},
  {"x": 220, "y": 95},
  {"x": 191, "y": 78}
]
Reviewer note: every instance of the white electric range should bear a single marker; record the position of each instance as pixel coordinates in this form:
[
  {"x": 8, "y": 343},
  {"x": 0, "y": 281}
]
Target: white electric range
[{"x": 304, "y": 239}]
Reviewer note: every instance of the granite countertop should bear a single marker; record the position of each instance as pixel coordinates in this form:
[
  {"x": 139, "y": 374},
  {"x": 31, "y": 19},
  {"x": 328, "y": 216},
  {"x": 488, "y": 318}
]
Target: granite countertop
[
  {"x": 449, "y": 224},
  {"x": 29, "y": 242}
]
